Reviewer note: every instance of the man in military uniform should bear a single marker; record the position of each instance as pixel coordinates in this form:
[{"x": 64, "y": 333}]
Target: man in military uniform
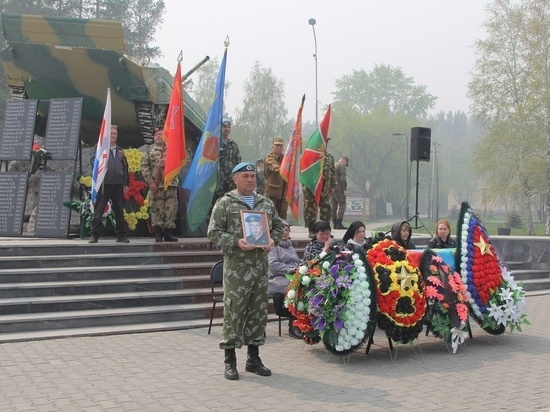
[
  {"x": 275, "y": 185},
  {"x": 245, "y": 270},
  {"x": 163, "y": 204},
  {"x": 310, "y": 207},
  {"x": 260, "y": 176},
  {"x": 230, "y": 156},
  {"x": 257, "y": 235},
  {"x": 338, "y": 197}
]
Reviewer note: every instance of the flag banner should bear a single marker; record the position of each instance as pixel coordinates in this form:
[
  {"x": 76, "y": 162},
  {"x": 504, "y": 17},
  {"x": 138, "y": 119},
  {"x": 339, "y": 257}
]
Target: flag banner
[
  {"x": 174, "y": 132},
  {"x": 102, "y": 151},
  {"x": 311, "y": 163},
  {"x": 289, "y": 165},
  {"x": 202, "y": 179}
]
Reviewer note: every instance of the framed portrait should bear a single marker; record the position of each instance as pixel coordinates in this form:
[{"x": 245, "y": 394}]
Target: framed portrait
[{"x": 255, "y": 227}]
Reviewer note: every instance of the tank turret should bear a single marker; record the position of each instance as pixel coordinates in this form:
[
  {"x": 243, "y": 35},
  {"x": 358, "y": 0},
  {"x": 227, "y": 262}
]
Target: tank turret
[{"x": 62, "y": 57}]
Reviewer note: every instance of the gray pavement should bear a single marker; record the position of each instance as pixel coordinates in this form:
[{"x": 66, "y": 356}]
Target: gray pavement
[{"x": 183, "y": 371}]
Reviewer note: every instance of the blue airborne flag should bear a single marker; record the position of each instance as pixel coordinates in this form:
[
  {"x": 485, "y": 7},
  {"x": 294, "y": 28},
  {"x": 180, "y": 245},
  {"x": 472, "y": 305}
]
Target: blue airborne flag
[{"x": 202, "y": 178}]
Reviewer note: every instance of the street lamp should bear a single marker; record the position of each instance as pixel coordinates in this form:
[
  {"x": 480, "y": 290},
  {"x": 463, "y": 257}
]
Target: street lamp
[
  {"x": 312, "y": 22},
  {"x": 408, "y": 184}
]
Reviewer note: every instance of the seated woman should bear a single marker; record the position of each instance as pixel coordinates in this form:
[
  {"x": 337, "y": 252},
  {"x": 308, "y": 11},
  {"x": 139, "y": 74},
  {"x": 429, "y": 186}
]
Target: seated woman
[
  {"x": 443, "y": 239},
  {"x": 321, "y": 241},
  {"x": 282, "y": 260},
  {"x": 401, "y": 232},
  {"x": 354, "y": 238}
]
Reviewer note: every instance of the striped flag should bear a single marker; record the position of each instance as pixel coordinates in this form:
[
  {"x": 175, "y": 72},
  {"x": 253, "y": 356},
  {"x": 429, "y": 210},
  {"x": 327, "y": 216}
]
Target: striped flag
[
  {"x": 202, "y": 178},
  {"x": 311, "y": 163},
  {"x": 289, "y": 164},
  {"x": 102, "y": 151},
  {"x": 174, "y": 133}
]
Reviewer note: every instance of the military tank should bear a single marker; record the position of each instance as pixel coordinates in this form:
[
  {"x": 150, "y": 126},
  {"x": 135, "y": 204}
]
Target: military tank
[{"x": 62, "y": 57}]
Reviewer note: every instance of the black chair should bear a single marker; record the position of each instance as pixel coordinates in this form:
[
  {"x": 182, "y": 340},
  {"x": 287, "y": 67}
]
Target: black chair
[
  {"x": 216, "y": 283},
  {"x": 280, "y": 310}
]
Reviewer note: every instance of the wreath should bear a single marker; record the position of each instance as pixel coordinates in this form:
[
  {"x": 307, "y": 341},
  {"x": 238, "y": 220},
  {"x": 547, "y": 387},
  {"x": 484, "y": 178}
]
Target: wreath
[
  {"x": 495, "y": 300},
  {"x": 400, "y": 291},
  {"x": 447, "y": 310},
  {"x": 332, "y": 299}
]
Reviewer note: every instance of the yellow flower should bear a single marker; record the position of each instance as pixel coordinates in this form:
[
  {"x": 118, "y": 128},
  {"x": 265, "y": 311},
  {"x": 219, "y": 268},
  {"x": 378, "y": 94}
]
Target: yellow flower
[{"x": 133, "y": 156}]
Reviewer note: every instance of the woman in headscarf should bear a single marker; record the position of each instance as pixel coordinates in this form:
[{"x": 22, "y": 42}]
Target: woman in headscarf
[
  {"x": 401, "y": 232},
  {"x": 354, "y": 238}
]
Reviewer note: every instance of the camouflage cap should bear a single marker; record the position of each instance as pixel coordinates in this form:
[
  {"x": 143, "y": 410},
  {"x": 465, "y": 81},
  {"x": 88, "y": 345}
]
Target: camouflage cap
[{"x": 278, "y": 140}]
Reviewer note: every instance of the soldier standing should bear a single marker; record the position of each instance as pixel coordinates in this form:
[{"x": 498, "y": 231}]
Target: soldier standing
[
  {"x": 275, "y": 186},
  {"x": 163, "y": 203},
  {"x": 260, "y": 176},
  {"x": 230, "y": 156},
  {"x": 245, "y": 270},
  {"x": 310, "y": 206},
  {"x": 338, "y": 197}
]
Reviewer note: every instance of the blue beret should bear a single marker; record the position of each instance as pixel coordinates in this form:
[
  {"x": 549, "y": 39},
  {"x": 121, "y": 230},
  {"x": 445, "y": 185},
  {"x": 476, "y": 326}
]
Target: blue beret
[{"x": 244, "y": 167}]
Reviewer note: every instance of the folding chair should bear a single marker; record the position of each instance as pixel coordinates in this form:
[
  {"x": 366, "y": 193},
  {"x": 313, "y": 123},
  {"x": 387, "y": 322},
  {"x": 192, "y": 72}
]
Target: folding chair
[{"x": 216, "y": 282}]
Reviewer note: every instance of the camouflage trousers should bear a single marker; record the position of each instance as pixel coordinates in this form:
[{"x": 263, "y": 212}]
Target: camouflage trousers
[
  {"x": 163, "y": 208},
  {"x": 245, "y": 302},
  {"x": 338, "y": 205},
  {"x": 310, "y": 208}
]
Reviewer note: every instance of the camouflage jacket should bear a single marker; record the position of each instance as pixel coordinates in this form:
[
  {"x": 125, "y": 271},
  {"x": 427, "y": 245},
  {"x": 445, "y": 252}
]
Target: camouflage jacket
[
  {"x": 230, "y": 157},
  {"x": 274, "y": 183},
  {"x": 225, "y": 227},
  {"x": 328, "y": 173},
  {"x": 340, "y": 178},
  {"x": 150, "y": 166}
]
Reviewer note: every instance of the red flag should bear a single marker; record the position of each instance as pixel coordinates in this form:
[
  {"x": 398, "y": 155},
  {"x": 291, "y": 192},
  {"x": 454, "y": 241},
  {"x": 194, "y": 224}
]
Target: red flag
[
  {"x": 289, "y": 164},
  {"x": 311, "y": 163},
  {"x": 174, "y": 132}
]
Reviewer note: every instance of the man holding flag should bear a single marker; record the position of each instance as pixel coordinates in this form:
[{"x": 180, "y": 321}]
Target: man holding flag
[
  {"x": 113, "y": 185},
  {"x": 317, "y": 175}
]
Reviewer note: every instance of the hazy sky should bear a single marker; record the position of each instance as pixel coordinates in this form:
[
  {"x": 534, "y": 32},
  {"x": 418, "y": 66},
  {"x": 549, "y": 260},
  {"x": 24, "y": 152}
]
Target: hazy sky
[{"x": 431, "y": 40}]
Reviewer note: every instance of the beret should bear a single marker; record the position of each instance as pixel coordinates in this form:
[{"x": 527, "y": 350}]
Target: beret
[{"x": 244, "y": 167}]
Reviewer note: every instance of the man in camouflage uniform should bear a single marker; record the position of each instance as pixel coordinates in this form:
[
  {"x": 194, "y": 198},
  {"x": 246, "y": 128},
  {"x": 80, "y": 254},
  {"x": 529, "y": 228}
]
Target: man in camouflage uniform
[
  {"x": 275, "y": 185},
  {"x": 245, "y": 270},
  {"x": 163, "y": 204},
  {"x": 260, "y": 176},
  {"x": 230, "y": 156},
  {"x": 338, "y": 198},
  {"x": 310, "y": 207}
]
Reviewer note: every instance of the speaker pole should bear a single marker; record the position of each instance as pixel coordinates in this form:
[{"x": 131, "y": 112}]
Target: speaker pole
[{"x": 416, "y": 197}]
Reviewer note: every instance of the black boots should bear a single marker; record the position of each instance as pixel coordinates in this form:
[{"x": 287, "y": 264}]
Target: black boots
[
  {"x": 231, "y": 365},
  {"x": 168, "y": 236},
  {"x": 158, "y": 233},
  {"x": 163, "y": 235},
  {"x": 254, "y": 363},
  {"x": 338, "y": 224}
]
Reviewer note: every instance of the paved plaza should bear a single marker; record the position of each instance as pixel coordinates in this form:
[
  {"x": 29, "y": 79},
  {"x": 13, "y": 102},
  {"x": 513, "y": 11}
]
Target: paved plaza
[{"x": 183, "y": 371}]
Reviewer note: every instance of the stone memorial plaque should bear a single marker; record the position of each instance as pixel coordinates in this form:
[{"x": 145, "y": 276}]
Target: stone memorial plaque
[
  {"x": 63, "y": 128},
  {"x": 52, "y": 218},
  {"x": 13, "y": 193},
  {"x": 18, "y": 131}
]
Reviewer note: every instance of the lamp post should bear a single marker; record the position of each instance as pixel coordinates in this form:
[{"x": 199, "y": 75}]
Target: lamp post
[
  {"x": 408, "y": 183},
  {"x": 312, "y": 22}
]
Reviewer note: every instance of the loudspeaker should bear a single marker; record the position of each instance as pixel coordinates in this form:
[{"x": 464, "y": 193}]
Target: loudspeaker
[{"x": 420, "y": 143}]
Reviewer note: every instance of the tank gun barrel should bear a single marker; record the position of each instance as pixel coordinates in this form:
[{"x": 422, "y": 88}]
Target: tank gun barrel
[{"x": 195, "y": 68}]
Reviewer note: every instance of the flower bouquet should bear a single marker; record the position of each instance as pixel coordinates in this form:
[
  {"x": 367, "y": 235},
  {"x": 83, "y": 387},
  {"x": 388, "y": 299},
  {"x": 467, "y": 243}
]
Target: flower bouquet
[
  {"x": 446, "y": 297},
  {"x": 400, "y": 291},
  {"x": 332, "y": 299},
  {"x": 496, "y": 301}
]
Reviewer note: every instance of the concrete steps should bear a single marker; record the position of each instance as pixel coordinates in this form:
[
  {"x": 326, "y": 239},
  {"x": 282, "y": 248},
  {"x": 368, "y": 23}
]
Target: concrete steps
[{"x": 64, "y": 290}]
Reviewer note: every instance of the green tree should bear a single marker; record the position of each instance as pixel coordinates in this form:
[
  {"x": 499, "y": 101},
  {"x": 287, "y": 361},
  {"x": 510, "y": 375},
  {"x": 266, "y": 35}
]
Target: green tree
[
  {"x": 263, "y": 114},
  {"x": 385, "y": 86},
  {"x": 510, "y": 91}
]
